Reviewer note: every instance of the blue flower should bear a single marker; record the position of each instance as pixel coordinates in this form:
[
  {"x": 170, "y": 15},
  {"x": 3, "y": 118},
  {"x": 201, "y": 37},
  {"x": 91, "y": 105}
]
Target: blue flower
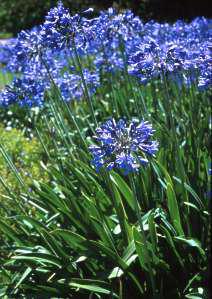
[
  {"x": 26, "y": 50},
  {"x": 6, "y": 51},
  {"x": 23, "y": 91},
  {"x": 71, "y": 86},
  {"x": 58, "y": 27},
  {"x": 181, "y": 51},
  {"x": 61, "y": 28},
  {"x": 123, "y": 147}
]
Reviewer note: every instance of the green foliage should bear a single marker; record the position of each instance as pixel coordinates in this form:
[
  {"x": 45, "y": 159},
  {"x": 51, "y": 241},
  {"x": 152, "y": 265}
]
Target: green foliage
[
  {"x": 26, "y": 154},
  {"x": 15, "y": 15},
  {"x": 5, "y": 78}
]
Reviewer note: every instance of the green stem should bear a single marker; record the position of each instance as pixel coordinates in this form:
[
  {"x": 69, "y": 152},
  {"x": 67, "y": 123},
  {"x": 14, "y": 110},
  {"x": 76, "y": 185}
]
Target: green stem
[
  {"x": 63, "y": 101},
  {"x": 84, "y": 84},
  {"x": 129, "y": 86},
  {"x": 120, "y": 289}
]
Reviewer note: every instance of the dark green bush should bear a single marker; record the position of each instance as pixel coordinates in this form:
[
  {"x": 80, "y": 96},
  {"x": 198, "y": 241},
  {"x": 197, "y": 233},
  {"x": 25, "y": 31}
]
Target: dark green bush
[{"x": 21, "y": 14}]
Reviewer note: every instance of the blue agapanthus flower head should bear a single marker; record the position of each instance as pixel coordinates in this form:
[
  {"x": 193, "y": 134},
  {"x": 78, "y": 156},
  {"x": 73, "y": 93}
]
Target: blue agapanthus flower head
[
  {"x": 58, "y": 27},
  {"x": 123, "y": 146},
  {"x": 6, "y": 51},
  {"x": 71, "y": 86},
  {"x": 23, "y": 91},
  {"x": 61, "y": 27}
]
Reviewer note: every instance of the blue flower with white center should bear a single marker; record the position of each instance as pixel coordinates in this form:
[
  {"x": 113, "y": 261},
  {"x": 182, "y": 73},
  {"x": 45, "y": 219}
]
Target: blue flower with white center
[{"x": 123, "y": 147}]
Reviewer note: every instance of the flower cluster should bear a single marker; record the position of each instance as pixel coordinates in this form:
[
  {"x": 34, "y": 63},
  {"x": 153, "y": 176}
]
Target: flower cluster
[
  {"x": 59, "y": 27},
  {"x": 19, "y": 93},
  {"x": 112, "y": 42},
  {"x": 27, "y": 50},
  {"x": 181, "y": 51},
  {"x": 123, "y": 147},
  {"x": 6, "y": 51},
  {"x": 71, "y": 85}
]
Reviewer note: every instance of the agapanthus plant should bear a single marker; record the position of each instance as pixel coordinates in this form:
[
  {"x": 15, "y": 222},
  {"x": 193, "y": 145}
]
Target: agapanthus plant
[{"x": 123, "y": 146}]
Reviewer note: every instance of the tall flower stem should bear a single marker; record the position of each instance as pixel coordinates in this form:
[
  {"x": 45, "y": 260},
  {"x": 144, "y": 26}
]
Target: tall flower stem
[
  {"x": 63, "y": 101},
  {"x": 87, "y": 95},
  {"x": 138, "y": 214},
  {"x": 129, "y": 87}
]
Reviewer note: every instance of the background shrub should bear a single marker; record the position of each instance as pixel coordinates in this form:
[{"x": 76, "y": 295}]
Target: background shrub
[
  {"x": 21, "y": 14},
  {"x": 26, "y": 155}
]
